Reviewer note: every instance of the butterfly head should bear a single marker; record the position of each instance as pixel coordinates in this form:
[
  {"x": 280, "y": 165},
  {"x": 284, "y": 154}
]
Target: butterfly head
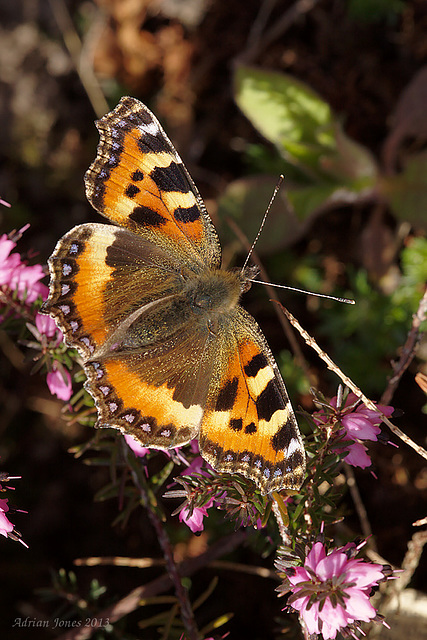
[
  {"x": 214, "y": 291},
  {"x": 247, "y": 274}
]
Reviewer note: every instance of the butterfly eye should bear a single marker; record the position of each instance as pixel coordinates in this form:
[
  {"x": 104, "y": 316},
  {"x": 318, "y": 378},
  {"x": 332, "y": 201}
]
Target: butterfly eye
[
  {"x": 246, "y": 285},
  {"x": 247, "y": 274}
]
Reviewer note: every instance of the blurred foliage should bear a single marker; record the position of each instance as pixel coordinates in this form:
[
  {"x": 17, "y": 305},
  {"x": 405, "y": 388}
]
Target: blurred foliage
[
  {"x": 375, "y": 10},
  {"x": 414, "y": 274},
  {"x": 73, "y": 609},
  {"x": 406, "y": 192},
  {"x": 307, "y": 135},
  {"x": 296, "y": 380},
  {"x": 365, "y": 337},
  {"x": 331, "y": 167}
]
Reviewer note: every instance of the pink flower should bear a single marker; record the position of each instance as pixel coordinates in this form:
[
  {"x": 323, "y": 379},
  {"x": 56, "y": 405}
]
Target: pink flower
[
  {"x": 356, "y": 423},
  {"x": 194, "y": 519},
  {"x": 357, "y": 455},
  {"x": 59, "y": 382},
  {"x": 194, "y": 446},
  {"x": 197, "y": 465},
  {"x": 25, "y": 281},
  {"x": 45, "y": 325},
  {"x": 136, "y": 446},
  {"x": 6, "y": 246},
  {"x": 331, "y": 591},
  {"x": 141, "y": 451},
  {"x": 362, "y": 423},
  {"x": 17, "y": 276},
  {"x": 46, "y": 332},
  {"x": 5, "y": 525}
]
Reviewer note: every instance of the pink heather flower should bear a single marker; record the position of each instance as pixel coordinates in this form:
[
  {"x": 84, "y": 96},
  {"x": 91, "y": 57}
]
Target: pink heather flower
[
  {"x": 46, "y": 332},
  {"x": 141, "y": 451},
  {"x": 46, "y": 326},
  {"x": 5, "y": 525},
  {"x": 356, "y": 423},
  {"x": 197, "y": 465},
  {"x": 26, "y": 281},
  {"x": 357, "y": 455},
  {"x": 194, "y": 446},
  {"x": 6, "y": 246},
  {"x": 331, "y": 591},
  {"x": 59, "y": 382},
  {"x": 136, "y": 446},
  {"x": 18, "y": 276},
  {"x": 194, "y": 519}
]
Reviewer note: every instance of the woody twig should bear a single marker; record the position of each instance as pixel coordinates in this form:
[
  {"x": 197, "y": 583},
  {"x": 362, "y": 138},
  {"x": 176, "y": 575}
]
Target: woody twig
[
  {"x": 350, "y": 384},
  {"x": 408, "y": 350}
]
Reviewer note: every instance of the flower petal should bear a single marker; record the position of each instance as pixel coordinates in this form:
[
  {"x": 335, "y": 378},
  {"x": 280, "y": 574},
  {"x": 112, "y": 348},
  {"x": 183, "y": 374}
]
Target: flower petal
[
  {"x": 45, "y": 325},
  {"x": 359, "y": 427},
  {"x": 316, "y": 554},
  {"x": 195, "y": 521},
  {"x": 59, "y": 383},
  {"x": 333, "y": 619},
  {"x": 311, "y": 617},
  {"x": 136, "y": 446},
  {"x": 364, "y": 574},
  {"x": 301, "y": 575},
  {"x": 333, "y": 565},
  {"x": 358, "y": 605},
  {"x": 357, "y": 455}
]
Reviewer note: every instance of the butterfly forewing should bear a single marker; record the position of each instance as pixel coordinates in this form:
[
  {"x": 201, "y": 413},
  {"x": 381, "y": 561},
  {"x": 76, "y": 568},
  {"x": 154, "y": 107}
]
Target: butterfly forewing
[{"x": 139, "y": 181}]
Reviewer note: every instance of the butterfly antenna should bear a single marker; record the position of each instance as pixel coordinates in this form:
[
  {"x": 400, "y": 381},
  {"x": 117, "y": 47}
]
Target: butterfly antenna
[
  {"x": 309, "y": 293},
  {"x": 283, "y": 286},
  {"x": 276, "y": 189}
]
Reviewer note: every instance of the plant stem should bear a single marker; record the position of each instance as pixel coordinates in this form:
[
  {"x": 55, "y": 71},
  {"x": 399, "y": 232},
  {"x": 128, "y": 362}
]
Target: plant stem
[{"x": 180, "y": 591}]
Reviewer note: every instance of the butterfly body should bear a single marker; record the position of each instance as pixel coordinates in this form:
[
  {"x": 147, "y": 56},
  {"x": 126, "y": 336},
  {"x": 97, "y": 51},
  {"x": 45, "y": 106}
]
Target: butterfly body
[{"x": 169, "y": 353}]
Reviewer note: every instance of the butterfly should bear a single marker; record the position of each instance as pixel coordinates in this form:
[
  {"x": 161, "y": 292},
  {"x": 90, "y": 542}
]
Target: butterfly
[{"x": 169, "y": 353}]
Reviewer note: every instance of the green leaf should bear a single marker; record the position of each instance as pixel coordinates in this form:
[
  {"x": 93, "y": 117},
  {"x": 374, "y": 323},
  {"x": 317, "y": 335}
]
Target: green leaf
[
  {"x": 414, "y": 262},
  {"x": 284, "y": 110},
  {"x": 306, "y": 201},
  {"x": 303, "y": 128},
  {"x": 414, "y": 268}
]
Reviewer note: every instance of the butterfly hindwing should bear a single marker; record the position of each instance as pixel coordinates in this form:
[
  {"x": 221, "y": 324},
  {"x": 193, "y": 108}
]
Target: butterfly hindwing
[
  {"x": 156, "y": 393},
  {"x": 249, "y": 424}
]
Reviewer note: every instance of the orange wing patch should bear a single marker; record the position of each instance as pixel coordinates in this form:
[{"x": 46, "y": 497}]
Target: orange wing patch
[
  {"x": 149, "y": 413},
  {"x": 79, "y": 273},
  {"x": 100, "y": 275}
]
